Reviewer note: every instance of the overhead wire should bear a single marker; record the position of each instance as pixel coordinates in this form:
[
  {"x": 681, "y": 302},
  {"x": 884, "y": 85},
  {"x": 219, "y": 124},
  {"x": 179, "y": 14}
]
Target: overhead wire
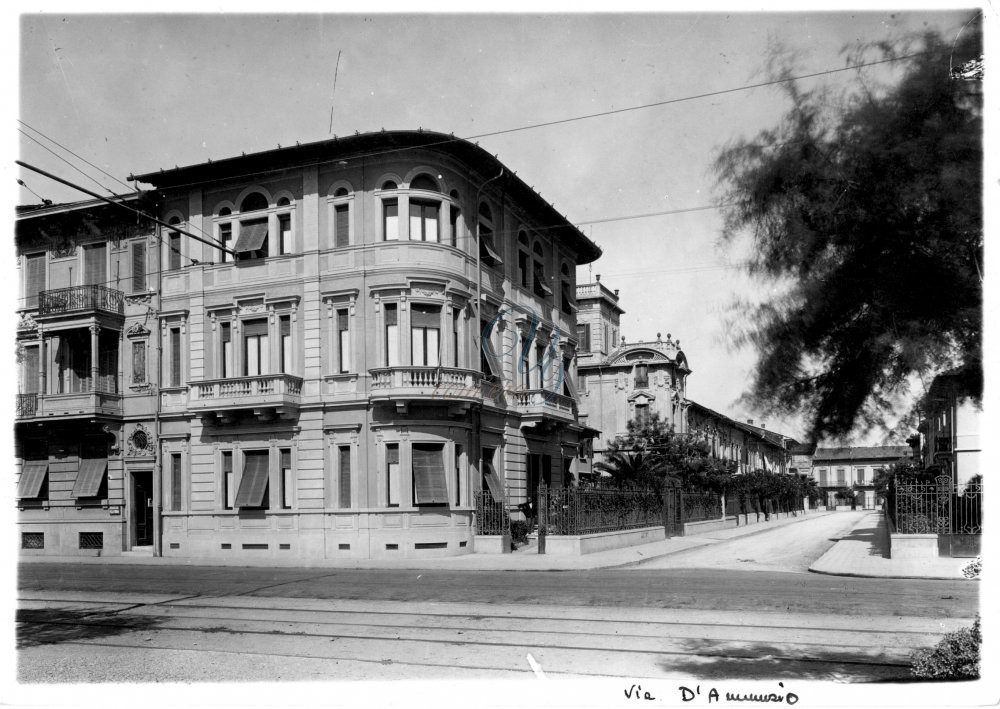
[{"x": 96, "y": 167}]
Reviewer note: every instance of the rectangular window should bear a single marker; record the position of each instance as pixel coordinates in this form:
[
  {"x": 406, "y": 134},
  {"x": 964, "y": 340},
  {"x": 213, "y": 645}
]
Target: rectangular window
[
  {"x": 430, "y": 486},
  {"x": 425, "y": 333},
  {"x": 255, "y": 348},
  {"x": 641, "y": 376},
  {"x": 841, "y": 476},
  {"x": 228, "y": 481},
  {"x": 583, "y": 335},
  {"x": 456, "y": 314},
  {"x": 456, "y": 224},
  {"x": 287, "y": 480},
  {"x": 29, "y": 371},
  {"x": 175, "y": 482},
  {"x": 525, "y": 367},
  {"x": 391, "y": 336},
  {"x": 285, "y": 331},
  {"x": 567, "y": 302},
  {"x": 252, "y": 243},
  {"x": 343, "y": 341},
  {"x": 523, "y": 261},
  {"x": 344, "y": 477},
  {"x": 226, "y": 359},
  {"x": 95, "y": 265},
  {"x": 642, "y": 414},
  {"x": 342, "y": 225},
  {"x": 390, "y": 220},
  {"x": 458, "y": 474},
  {"x": 253, "y": 490},
  {"x": 485, "y": 351},
  {"x": 491, "y": 481},
  {"x": 392, "y": 474},
  {"x": 285, "y": 233},
  {"x": 34, "y": 279},
  {"x": 138, "y": 266},
  {"x": 173, "y": 251},
  {"x": 539, "y": 365},
  {"x": 226, "y": 237},
  {"x": 138, "y": 362},
  {"x": 424, "y": 221},
  {"x": 175, "y": 356}
]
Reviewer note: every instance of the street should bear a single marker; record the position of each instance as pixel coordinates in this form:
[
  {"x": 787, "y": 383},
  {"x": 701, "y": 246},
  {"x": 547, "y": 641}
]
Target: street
[{"x": 750, "y": 613}]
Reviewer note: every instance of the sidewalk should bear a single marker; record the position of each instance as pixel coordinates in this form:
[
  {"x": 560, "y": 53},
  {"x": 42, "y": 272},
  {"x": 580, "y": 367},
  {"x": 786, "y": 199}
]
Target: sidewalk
[
  {"x": 525, "y": 559},
  {"x": 865, "y": 552}
]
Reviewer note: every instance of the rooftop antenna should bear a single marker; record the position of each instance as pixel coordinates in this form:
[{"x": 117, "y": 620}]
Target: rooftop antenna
[{"x": 333, "y": 94}]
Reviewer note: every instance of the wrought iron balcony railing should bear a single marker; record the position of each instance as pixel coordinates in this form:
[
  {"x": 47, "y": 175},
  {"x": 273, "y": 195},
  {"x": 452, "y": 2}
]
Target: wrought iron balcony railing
[
  {"x": 25, "y": 406},
  {"x": 81, "y": 299}
]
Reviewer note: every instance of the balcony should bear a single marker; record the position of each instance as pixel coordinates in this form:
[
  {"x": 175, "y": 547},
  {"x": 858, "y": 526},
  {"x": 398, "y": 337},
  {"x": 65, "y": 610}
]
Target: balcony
[
  {"x": 457, "y": 387},
  {"x": 266, "y": 395},
  {"x": 541, "y": 406},
  {"x": 80, "y": 300},
  {"x": 79, "y": 404}
]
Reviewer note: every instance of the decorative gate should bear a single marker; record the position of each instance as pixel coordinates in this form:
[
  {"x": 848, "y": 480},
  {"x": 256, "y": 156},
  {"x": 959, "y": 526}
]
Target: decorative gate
[{"x": 938, "y": 508}]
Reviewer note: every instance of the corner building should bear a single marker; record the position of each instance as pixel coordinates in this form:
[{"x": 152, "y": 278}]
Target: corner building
[{"x": 325, "y": 391}]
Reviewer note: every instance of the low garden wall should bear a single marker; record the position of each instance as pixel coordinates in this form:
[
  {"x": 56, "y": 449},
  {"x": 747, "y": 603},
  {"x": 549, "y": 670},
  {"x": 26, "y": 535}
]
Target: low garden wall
[{"x": 579, "y": 544}]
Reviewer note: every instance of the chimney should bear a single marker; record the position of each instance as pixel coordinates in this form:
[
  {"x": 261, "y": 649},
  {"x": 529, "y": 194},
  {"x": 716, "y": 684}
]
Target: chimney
[{"x": 750, "y": 421}]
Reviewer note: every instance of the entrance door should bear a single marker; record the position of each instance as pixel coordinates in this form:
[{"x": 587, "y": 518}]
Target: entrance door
[{"x": 142, "y": 508}]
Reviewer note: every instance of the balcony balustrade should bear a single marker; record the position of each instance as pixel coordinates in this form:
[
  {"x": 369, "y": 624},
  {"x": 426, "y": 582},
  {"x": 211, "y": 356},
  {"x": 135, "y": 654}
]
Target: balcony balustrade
[
  {"x": 538, "y": 404},
  {"x": 80, "y": 300},
  {"x": 262, "y": 393},
  {"x": 446, "y": 384},
  {"x": 91, "y": 402}
]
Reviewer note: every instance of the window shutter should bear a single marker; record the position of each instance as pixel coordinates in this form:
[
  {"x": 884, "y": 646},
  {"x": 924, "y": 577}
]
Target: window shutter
[
  {"x": 138, "y": 362},
  {"x": 175, "y": 482},
  {"x": 429, "y": 481},
  {"x": 35, "y": 279},
  {"x": 30, "y": 371},
  {"x": 175, "y": 357},
  {"x": 255, "y": 328},
  {"x": 138, "y": 266},
  {"x": 174, "y": 249},
  {"x": 285, "y": 325},
  {"x": 344, "y": 472},
  {"x": 95, "y": 265},
  {"x": 253, "y": 484},
  {"x": 390, "y": 315},
  {"x": 342, "y": 235}
]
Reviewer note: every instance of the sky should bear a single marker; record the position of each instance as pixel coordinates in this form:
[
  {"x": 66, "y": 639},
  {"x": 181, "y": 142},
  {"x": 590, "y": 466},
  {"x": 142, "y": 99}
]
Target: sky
[{"x": 134, "y": 93}]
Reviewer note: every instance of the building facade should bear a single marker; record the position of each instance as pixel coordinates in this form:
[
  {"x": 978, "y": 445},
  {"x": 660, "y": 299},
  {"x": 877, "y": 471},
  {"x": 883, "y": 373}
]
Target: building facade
[
  {"x": 750, "y": 447},
  {"x": 621, "y": 381},
  {"x": 949, "y": 429},
  {"x": 338, "y": 346},
  {"x": 837, "y": 468}
]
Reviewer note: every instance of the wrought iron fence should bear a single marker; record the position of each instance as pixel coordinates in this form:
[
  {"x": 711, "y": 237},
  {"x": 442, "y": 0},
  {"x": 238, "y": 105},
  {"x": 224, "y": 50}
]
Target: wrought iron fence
[
  {"x": 594, "y": 510},
  {"x": 80, "y": 298},
  {"x": 967, "y": 509},
  {"x": 701, "y": 506},
  {"x": 921, "y": 507},
  {"x": 25, "y": 405},
  {"x": 492, "y": 515}
]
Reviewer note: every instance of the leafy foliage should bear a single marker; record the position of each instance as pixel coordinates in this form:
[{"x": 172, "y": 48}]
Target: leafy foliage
[
  {"x": 866, "y": 217},
  {"x": 955, "y": 657},
  {"x": 518, "y": 531}
]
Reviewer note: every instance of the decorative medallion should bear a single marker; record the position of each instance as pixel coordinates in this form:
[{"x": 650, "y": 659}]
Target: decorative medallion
[
  {"x": 136, "y": 329},
  {"x": 141, "y": 443},
  {"x": 26, "y": 322}
]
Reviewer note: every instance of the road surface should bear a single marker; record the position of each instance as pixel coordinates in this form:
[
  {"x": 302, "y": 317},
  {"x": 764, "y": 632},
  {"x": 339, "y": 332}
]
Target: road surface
[{"x": 80, "y": 623}]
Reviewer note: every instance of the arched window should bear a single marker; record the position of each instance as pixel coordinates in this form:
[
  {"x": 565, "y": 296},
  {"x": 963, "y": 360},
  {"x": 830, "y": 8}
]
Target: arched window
[
  {"x": 341, "y": 217},
  {"x": 566, "y": 289},
  {"x": 542, "y": 289},
  {"x": 389, "y": 185},
  {"x": 455, "y": 218},
  {"x": 253, "y": 202},
  {"x": 283, "y": 202},
  {"x": 524, "y": 259},
  {"x": 224, "y": 235},
  {"x": 424, "y": 182},
  {"x": 286, "y": 237},
  {"x": 390, "y": 214},
  {"x": 174, "y": 246},
  {"x": 487, "y": 251}
]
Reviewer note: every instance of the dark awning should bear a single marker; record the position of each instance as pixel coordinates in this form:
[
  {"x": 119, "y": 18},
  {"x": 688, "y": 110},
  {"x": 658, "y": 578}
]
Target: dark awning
[
  {"x": 493, "y": 481},
  {"x": 429, "y": 483},
  {"x": 252, "y": 235},
  {"x": 254, "y": 482},
  {"x": 88, "y": 480},
  {"x": 488, "y": 254},
  {"x": 32, "y": 476}
]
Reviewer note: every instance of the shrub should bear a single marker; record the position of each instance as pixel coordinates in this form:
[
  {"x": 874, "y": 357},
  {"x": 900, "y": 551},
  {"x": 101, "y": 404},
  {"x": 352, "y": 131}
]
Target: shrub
[
  {"x": 955, "y": 657},
  {"x": 973, "y": 569},
  {"x": 519, "y": 531}
]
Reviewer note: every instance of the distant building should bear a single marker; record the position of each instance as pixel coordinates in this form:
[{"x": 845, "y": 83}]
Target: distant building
[
  {"x": 750, "y": 447},
  {"x": 835, "y": 469},
  {"x": 950, "y": 429}
]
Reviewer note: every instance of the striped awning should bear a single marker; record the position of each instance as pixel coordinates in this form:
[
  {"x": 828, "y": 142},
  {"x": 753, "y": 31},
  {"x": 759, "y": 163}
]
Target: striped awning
[
  {"x": 32, "y": 476},
  {"x": 253, "y": 484},
  {"x": 88, "y": 480},
  {"x": 252, "y": 235}
]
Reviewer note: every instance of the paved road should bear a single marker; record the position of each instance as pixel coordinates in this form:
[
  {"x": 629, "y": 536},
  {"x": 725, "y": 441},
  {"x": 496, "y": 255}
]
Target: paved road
[
  {"x": 792, "y": 548},
  {"x": 119, "y": 623}
]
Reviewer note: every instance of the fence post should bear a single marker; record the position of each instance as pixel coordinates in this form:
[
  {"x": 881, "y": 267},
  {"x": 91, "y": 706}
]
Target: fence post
[{"x": 543, "y": 515}]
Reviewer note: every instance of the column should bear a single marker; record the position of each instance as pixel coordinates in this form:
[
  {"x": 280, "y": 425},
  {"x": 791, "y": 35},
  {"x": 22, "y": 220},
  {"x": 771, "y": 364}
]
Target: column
[{"x": 95, "y": 331}]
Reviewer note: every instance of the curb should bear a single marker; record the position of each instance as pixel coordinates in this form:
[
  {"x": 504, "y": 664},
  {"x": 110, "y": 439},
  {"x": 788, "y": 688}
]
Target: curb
[{"x": 853, "y": 574}]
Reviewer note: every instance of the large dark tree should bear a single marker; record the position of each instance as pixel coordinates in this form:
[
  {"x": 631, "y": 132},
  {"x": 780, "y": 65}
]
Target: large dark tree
[{"x": 865, "y": 211}]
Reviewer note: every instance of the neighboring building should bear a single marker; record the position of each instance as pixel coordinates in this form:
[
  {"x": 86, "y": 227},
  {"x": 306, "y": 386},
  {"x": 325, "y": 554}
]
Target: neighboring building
[
  {"x": 950, "y": 429},
  {"x": 854, "y": 467},
  {"x": 800, "y": 461},
  {"x": 88, "y": 365},
  {"x": 322, "y": 392},
  {"x": 750, "y": 447},
  {"x": 624, "y": 381}
]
